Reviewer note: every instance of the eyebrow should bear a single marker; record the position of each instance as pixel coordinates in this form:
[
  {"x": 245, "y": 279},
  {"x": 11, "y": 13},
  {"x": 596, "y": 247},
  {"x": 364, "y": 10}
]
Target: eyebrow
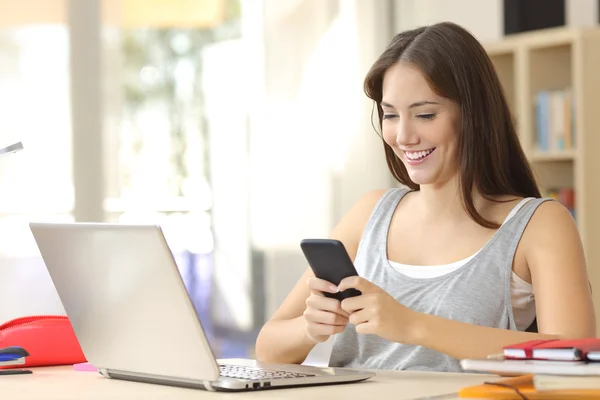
[{"x": 413, "y": 105}]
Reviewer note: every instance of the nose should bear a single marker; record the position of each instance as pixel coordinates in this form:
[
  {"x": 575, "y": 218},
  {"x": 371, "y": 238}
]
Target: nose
[{"x": 406, "y": 135}]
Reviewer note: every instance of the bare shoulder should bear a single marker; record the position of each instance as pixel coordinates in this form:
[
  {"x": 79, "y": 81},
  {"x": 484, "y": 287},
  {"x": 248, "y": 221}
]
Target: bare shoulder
[
  {"x": 551, "y": 229},
  {"x": 368, "y": 201},
  {"x": 362, "y": 209},
  {"x": 551, "y": 221},
  {"x": 555, "y": 258},
  {"x": 350, "y": 228}
]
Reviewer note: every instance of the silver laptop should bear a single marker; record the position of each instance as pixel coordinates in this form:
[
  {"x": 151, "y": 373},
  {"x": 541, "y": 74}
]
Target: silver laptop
[{"x": 124, "y": 295}]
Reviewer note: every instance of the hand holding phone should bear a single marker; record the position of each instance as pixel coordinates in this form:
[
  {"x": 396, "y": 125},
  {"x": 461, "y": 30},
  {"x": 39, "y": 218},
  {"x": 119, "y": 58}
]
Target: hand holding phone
[{"x": 330, "y": 261}]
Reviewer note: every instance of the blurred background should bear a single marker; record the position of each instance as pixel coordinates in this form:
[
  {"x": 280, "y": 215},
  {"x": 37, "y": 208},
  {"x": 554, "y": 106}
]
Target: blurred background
[{"x": 239, "y": 125}]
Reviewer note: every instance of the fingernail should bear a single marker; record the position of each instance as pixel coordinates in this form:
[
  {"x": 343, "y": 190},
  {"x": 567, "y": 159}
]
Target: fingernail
[{"x": 333, "y": 288}]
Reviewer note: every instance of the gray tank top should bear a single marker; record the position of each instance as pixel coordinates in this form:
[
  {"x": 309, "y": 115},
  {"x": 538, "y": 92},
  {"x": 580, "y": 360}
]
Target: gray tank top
[{"x": 477, "y": 293}]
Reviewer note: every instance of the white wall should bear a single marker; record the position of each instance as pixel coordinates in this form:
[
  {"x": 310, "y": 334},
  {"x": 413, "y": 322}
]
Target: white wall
[
  {"x": 362, "y": 167},
  {"x": 229, "y": 179},
  {"x": 484, "y": 18},
  {"x": 581, "y": 12},
  {"x": 313, "y": 151}
]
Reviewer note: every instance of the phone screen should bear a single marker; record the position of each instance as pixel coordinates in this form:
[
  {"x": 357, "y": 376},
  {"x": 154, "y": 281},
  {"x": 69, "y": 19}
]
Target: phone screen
[{"x": 329, "y": 261}]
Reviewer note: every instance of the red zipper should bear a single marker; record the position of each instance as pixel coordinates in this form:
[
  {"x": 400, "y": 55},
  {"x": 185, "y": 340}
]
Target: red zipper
[{"x": 21, "y": 321}]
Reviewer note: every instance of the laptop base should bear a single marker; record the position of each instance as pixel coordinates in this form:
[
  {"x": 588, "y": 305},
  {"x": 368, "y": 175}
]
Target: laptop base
[{"x": 227, "y": 384}]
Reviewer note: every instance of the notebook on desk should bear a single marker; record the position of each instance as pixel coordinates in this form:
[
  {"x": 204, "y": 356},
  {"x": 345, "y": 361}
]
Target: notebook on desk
[
  {"x": 132, "y": 315},
  {"x": 519, "y": 367},
  {"x": 555, "y": 349},
  {"x": 545, "y": 356}
]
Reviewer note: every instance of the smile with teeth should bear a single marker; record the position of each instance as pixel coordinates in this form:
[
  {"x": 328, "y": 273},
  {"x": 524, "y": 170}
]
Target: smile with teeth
[{"x": 418, "y": 155}]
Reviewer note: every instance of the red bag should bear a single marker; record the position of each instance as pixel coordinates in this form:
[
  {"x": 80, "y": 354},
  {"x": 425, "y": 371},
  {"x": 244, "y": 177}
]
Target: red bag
[{"x": 49, "y": 340}]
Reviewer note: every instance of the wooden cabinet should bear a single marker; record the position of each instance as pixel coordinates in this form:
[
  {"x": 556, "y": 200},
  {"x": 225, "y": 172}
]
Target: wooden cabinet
[{"x": 552, "y": 80}]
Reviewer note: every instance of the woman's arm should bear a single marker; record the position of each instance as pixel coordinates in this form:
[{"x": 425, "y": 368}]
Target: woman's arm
[
  {"x": 284, "y": 338},
  {"x": 554, "y": 255},
  {"x": 462, "y": 340},
  {"x": 556, "y": 261}
]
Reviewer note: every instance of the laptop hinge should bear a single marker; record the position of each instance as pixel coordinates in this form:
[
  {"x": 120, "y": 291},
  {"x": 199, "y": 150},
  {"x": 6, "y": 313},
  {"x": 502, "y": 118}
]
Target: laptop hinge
[{"x": 147, "y": 378}]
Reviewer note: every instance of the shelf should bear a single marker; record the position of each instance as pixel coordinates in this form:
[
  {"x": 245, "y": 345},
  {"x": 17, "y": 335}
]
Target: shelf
[
  {"x": 552, "y": 82},
  {"x": 554, "y": 173},
  {"x": 504, "y": 63},
  {"x": 551, "y": 68},
  {"x": 500, "y": 49},
  {"x": 549, "y": 156},
  {"x": 539, "y": 39}
]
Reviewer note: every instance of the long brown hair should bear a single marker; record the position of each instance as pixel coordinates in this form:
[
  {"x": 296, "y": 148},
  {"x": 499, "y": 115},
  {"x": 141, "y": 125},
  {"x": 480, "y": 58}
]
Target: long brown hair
[{"x": 458, "y": 68}]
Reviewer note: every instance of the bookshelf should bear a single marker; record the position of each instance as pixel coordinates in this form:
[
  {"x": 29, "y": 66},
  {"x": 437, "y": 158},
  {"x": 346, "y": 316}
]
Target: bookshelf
[{"x": 552, "y": 81}]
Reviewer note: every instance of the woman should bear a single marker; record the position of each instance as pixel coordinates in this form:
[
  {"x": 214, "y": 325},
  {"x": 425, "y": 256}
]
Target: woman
[{"x": 466, "y": 258}]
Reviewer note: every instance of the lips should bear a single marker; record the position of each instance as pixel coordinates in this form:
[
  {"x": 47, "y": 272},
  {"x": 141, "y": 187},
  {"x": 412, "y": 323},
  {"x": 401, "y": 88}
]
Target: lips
[{"x": 417, "y": 156}]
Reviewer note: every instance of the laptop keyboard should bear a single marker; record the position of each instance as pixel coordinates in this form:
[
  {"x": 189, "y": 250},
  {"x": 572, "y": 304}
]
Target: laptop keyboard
[{"x": 249, "y": 373}]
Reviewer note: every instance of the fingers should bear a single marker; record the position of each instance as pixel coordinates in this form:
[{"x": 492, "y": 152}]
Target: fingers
[
  {"x": 353, "y": 282},
  {"x": 321, "y": 285},
  {"x": 325, "y": 317},
  {"x": 320, "y": 302},
  {"x": 358, "y": 317},
  {"x": 358, "y": 283},
  {"x": 354, "y": 304},
  {"x": 322, "y": 332}
]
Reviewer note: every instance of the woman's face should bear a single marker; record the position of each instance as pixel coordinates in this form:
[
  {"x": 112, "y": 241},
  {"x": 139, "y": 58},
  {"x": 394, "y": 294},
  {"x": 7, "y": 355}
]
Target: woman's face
[{"x": 419, "y": 125}]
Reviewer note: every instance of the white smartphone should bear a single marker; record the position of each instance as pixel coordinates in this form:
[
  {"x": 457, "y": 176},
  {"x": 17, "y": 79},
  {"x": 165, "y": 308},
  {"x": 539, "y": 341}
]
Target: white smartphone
[{"x": 13, "y": 148}]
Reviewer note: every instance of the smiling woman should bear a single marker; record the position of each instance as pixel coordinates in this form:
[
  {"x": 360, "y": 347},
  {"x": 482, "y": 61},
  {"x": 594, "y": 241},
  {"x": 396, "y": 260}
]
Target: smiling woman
[
  {"x": 424, "y": 102},
  {"x": 464, "y": 258}
]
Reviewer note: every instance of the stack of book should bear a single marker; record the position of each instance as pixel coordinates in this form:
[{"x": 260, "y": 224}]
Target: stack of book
[
  {"x": 554, "y": 120},
  {"x": 541, "y": 369}
]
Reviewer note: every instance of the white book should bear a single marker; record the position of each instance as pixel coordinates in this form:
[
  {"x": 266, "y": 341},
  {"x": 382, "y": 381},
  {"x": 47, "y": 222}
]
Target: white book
[
  {"x": 553, "y": 382},
  {"x": 503, "y": 367},
  {"x": 13, "y": 148}
]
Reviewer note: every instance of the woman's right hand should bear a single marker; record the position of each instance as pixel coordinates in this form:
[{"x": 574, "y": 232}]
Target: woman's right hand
[{"x": 324, "y": 316}]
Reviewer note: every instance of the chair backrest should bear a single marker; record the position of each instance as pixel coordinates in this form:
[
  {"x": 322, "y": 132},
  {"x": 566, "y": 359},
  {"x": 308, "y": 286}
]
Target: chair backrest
[{"x": 533, "y": 327}]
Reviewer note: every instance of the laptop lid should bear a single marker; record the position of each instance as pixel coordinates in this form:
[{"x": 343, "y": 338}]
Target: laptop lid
[{"x": 125, "y": 298}]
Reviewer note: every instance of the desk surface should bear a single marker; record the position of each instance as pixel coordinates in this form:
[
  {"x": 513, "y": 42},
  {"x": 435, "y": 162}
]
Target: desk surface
[{"x": 64, "y": 383}]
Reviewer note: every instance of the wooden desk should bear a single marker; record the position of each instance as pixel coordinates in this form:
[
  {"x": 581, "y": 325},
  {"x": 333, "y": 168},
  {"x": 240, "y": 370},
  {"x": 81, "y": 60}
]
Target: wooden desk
[{"x": 65, "y": 384}]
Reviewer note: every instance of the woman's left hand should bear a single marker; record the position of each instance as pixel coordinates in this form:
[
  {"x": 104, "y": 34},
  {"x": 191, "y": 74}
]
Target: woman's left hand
[{"x": 376, "y": 312}]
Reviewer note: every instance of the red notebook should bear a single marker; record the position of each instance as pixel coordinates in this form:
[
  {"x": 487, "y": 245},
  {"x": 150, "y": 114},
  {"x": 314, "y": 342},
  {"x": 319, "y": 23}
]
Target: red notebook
[{"x": 555, "y": 350}]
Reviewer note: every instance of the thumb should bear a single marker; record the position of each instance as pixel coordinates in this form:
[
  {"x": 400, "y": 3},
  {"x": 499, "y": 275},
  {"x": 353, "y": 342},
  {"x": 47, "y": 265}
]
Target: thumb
[{"x": 358, "y": 283}]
